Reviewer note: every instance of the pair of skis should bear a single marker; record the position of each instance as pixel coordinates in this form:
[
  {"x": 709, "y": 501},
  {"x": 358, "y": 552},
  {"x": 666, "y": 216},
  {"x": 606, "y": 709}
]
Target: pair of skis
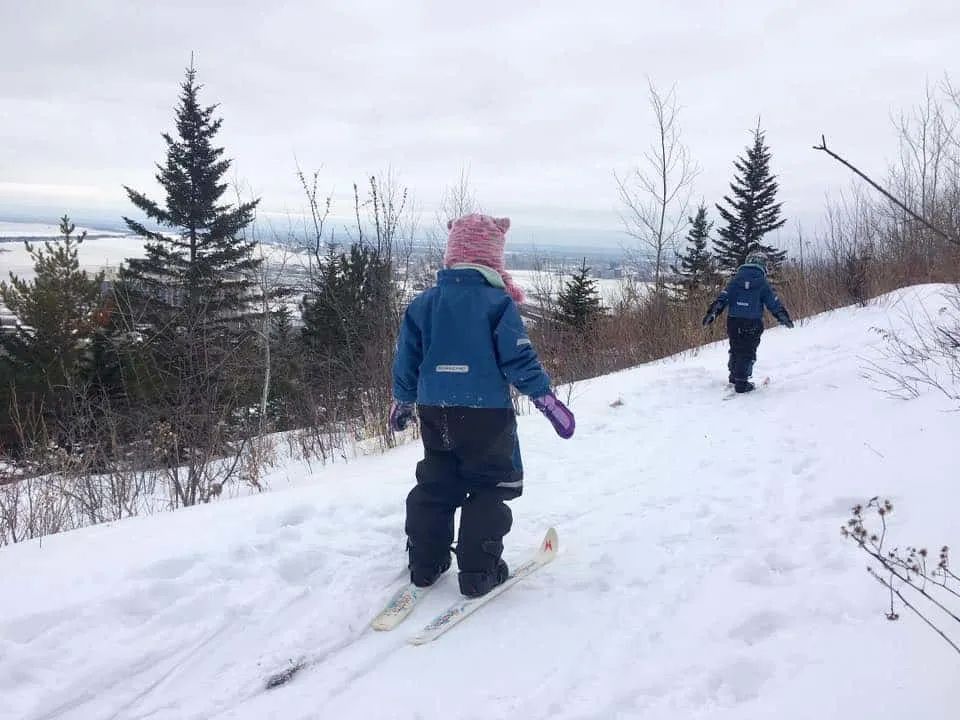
[{"x": 403, "y": 602}]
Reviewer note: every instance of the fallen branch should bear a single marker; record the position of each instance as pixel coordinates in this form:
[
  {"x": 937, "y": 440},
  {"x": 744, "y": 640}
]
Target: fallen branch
[{"x": 920, "y": 219}]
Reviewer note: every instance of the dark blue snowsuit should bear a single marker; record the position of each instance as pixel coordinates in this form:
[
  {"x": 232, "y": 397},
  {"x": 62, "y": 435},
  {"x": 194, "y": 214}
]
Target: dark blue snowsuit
[
  {"x": 746, "y": 295},
  {"x": 462, "y": 345}
]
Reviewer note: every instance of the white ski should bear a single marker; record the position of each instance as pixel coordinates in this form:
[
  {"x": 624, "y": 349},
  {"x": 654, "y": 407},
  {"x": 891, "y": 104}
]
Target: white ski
[
  {"x": 467, "y": 606},
  {"x": 399, "y": 606}
]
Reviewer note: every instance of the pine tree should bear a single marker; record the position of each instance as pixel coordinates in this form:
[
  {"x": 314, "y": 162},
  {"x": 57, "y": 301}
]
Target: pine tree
[
  {"x": 751, "y": 212},
  {"x": 696, "y": 272},
  {"x": 58, "y": 313},
  {"x": 198, "y": 269},
  {"x": 578, "y": 303}
]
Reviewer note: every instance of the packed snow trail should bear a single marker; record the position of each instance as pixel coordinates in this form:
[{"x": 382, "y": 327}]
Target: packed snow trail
[{"x": 701, "y": 574}]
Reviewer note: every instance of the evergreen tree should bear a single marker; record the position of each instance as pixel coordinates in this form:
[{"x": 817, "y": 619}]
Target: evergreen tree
[
  {"x": 751, "y": 212},
  {"x": 345, "y": 316},
  {"x": 194, "y": 301},
  {"x": 198, "y": 269},
  {"x": 285, "y": 369},
  {"x": 696, "y": 272},
  {"x": 58, "y": 312},
  {"x": 578, "y": 303}
]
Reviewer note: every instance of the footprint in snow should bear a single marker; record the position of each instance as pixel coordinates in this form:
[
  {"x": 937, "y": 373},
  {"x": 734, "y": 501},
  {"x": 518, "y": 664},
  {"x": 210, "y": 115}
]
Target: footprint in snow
[
  {"x": 773, "y": 570},
  {"x": 758, "y": 627},
  {"x": 737, "y": 682},
  {"x": 298, "y": 568},
  {"x": 296, "y": 516},
  {"x": 838, "y": 508},
  {"x": 802, "y": 465},
  {"x": 289, "y": 518},
  {"x": 28, "y": 628},
  {"x": 168, "y": 569}
]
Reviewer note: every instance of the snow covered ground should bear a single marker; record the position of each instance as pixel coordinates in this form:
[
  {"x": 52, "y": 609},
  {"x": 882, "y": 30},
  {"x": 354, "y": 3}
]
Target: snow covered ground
[
  {"x": 10, "y": 229},
  {"x": 105, "y": 251},
  {"x": 97, "y": 253},
  {"x": 701, "y": 572}
]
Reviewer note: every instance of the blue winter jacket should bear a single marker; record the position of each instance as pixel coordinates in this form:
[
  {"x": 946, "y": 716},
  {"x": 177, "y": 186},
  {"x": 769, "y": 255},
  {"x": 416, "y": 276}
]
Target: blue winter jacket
[
  {"x": 747, "y": 293},
  {"x": 462, "y": 343}
]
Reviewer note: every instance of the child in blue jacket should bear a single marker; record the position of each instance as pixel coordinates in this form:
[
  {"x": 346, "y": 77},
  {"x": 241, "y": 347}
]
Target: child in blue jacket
[
  {"x": 747, "y": 293},
  {"x": 462, "y": 345}
]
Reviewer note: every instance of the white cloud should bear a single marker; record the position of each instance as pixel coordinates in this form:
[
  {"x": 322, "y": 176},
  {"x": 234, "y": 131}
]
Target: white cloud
[{"x": 542, "y": 100}]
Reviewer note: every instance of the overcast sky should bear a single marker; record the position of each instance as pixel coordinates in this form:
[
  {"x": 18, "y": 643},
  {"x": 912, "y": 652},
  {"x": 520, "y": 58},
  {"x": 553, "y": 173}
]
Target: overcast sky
[{"x": 543, "y": 101}]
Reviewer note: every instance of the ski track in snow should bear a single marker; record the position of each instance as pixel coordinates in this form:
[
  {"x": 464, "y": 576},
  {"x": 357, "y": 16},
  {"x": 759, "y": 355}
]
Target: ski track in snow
[{"x": 701, "y": 573}]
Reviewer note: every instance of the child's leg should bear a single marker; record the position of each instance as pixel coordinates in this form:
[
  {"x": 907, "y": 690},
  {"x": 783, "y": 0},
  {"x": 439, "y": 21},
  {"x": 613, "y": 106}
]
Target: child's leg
[
  {"x": 744, "y": 340},
  {"x": 491, "y": 469},
  {"x": 432, "y": 502},
  {"x": 752, "y": 332},
  {"x": 484, "y": 520},
  {"x": 430, "y": 509},
  {"x": 735, "y": 363}
]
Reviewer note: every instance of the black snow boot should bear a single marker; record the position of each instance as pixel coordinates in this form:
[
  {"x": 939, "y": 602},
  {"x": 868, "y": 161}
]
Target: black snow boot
[
  {"x": 475, "y": 584},
  {"x": 744, "y": 387},
  {"x": 425, "y": 575}
]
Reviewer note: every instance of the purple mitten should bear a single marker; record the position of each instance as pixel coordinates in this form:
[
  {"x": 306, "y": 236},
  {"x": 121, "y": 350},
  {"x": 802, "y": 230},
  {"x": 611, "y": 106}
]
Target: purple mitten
[
  {"x": 401, "y": 414},
  {"x": 557, "y": 413}
]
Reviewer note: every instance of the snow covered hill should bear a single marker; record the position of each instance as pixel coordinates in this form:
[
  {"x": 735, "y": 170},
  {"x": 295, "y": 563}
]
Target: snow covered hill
[{"x": 701, "y": 572}]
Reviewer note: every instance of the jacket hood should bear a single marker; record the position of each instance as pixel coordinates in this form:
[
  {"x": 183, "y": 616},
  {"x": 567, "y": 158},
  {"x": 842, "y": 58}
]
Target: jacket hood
[{"x": 751, "y": 271}]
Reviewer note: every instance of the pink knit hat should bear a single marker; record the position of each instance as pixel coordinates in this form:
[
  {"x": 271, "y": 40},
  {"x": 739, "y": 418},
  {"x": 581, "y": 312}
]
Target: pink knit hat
[{"x": 480, "y": 239}]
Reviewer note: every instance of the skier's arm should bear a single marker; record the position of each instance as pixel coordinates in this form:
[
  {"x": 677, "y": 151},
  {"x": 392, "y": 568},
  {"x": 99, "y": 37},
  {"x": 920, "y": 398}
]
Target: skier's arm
[
  {"x": 516, "y": 357},
  {"x": 775, "y": 306},
  {"x": 718, "y": 305},
  {"x": 406, "y": 362}
]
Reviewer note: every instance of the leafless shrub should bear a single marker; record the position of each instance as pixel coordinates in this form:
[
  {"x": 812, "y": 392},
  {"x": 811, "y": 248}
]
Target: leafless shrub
[
  {"x": 925, "y": 585},
  {"x": 926, "y": 355}
]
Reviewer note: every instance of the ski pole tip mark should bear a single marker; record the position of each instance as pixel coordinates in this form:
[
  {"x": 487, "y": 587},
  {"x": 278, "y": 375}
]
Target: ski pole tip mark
[{"x": 284, "y": 676}]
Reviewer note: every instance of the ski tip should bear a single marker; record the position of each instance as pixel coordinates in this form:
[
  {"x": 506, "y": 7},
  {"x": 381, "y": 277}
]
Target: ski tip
[{"x": 550, "y": 544}]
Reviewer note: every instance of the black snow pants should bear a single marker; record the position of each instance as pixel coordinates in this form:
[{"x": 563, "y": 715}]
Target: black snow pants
[
  {"x": 471, "y": 461},
  {"x": 744, "y": 340}
]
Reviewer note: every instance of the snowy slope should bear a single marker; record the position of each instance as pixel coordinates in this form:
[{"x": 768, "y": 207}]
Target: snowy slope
[{"x": 701, "y": 572}]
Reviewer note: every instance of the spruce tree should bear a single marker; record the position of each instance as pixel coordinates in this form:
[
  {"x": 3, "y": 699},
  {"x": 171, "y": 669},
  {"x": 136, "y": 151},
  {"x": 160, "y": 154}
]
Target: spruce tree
[
  {"x": 696, "y": 271},
  {"x": 198, "y": 270},
  {"x": 578, "y": 303},
  {"x": 194, "y": 301},
  {"x": 751, "y": 212}
]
